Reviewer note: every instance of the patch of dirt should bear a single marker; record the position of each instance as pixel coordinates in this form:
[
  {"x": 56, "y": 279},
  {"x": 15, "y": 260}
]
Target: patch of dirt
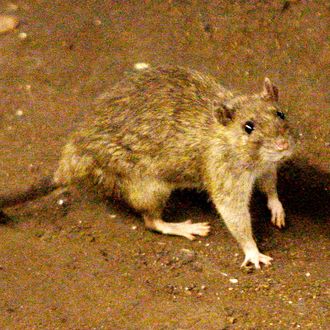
[{"x": 94, "y": 266}]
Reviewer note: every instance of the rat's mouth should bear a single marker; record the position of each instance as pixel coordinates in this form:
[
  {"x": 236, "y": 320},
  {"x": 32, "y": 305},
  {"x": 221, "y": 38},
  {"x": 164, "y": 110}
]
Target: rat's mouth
[
  {"x": 278, "y": 150},
  {"x": 272, "y": 155}
]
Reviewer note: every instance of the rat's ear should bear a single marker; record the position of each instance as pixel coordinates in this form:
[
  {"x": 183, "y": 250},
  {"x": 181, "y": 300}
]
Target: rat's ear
[
  {"x": 270, "y": 91},
  {"x": 224, "y": 112}
]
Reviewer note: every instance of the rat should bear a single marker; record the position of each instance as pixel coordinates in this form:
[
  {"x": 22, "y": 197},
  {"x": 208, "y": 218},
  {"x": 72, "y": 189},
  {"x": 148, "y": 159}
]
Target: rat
[{"x": 168, "y": 128}]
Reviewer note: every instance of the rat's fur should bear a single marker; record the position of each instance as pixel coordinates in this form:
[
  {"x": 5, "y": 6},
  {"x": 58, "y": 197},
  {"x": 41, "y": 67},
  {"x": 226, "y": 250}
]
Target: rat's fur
[{"x": 167, "y": 128}]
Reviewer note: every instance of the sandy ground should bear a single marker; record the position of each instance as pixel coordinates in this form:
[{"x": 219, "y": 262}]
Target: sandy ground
[{"x": 93, "y": 265}]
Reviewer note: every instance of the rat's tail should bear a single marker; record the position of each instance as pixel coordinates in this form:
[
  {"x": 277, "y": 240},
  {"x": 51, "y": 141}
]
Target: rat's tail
[{"x": 42, "y": 188}]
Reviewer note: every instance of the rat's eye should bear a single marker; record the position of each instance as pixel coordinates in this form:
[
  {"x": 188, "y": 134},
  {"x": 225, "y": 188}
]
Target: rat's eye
[
  {"x": 249, "y": 127},
  {"x": 280, "y": 114}
]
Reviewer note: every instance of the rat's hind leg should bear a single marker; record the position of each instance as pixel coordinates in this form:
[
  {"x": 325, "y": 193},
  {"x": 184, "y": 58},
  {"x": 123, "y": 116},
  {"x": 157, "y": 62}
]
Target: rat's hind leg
[{"x": 149, "y": 197}]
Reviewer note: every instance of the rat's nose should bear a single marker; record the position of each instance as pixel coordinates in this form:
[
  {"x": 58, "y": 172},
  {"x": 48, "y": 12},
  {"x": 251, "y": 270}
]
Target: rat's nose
[{"x": 282, "y": 144}]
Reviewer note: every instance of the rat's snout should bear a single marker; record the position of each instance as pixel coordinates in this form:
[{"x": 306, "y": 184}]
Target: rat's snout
[{"x": 282, "y": 144}]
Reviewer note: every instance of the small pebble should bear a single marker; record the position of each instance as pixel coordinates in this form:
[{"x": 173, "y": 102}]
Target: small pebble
[
  {"x": 203, "y": 287},
  {"x": 231, "y": 320},
  {"x": 141, "y": 66},
  {"x": 97, "y": 22},
  {"x": 19, "y": 113},
  {"x": 308, "y": 274},
  {"x": 22, "y": 35},
  {"x": 8, "y": 23},
  {"x": 233, "y": 280}
]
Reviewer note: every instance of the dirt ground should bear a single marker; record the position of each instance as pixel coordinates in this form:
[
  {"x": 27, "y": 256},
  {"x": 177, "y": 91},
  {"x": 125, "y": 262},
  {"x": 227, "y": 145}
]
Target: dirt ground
[{"x": 93, "y": 265}]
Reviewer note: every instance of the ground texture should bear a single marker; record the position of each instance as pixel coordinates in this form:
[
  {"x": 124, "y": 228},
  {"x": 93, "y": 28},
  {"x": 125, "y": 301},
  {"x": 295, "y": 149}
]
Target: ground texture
[{"x": 93, "y": 265}]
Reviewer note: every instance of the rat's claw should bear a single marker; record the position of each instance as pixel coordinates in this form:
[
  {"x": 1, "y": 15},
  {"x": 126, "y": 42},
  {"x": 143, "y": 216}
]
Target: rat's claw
[
  {"x": 256, "y": 258},
  {"x": 189, "y": 236},
  {"x": 190, "y": 229}
]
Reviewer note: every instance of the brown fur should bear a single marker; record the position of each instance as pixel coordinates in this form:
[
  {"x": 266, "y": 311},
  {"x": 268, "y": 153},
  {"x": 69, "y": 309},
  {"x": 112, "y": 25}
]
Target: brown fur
[{"x": 167, "y": 128}]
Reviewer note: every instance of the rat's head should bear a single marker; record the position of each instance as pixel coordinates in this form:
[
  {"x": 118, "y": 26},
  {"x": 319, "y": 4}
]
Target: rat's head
[{"x": 259, "y": 125}]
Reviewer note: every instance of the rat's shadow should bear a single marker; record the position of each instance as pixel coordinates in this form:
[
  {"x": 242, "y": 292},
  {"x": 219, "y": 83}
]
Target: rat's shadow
[{"x": 305, "y": 190}]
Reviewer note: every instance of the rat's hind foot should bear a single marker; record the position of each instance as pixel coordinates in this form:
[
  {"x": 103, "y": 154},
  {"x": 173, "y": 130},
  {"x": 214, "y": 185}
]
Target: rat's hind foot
[
  {"x": 255, "y": 257},
  {"x": 277, "y": 211},
  {"x": 186, "y": 229}
]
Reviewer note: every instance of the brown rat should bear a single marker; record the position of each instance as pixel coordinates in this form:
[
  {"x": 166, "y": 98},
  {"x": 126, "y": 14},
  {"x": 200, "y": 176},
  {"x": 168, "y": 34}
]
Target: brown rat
[{"x": 168, "y": 128}]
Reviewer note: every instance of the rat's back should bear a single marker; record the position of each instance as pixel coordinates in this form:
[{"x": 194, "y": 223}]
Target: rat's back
[
  {"x": 151, "y": 123},
  {"x": 155, "y": 105}
]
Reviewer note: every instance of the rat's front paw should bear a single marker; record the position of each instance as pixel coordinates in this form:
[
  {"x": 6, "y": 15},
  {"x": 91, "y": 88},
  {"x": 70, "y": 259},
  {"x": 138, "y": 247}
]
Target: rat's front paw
[
  {"x": 255, "y": 257},
  {"x": 277, "y": 211}
]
